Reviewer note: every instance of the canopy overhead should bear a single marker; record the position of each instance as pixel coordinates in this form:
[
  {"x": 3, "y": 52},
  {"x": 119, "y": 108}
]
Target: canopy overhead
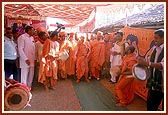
[
  {"x": 85, "y": 16},
  {"x": 71, "y": 13}
]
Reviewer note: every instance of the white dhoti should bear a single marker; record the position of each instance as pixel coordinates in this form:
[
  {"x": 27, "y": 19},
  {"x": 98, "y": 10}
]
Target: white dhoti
[
  {"x": 114, "y": 72},
  {"x": 115, "y": 61}
]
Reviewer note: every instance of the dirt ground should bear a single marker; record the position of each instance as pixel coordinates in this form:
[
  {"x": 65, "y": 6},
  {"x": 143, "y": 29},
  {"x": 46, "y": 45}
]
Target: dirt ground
[{"x": 63, "y": 98}]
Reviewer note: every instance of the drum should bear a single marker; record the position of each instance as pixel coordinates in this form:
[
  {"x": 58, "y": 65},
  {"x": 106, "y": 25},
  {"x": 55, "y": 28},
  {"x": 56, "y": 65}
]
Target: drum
[
  {"x": 17, "y": 96},
  {"x": 140, "y": 72},
  {"x": 63, "y": 56}
]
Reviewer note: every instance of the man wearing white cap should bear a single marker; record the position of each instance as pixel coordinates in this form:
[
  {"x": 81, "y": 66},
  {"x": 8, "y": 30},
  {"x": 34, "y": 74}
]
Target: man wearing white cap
[{"x": 117, "y": 52}]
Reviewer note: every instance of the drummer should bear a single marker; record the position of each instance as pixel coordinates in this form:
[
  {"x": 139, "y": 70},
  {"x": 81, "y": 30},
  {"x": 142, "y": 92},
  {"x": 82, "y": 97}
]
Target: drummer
[
  {"x": 124, "y": 88},
  {"x": 155, "y": 82}
]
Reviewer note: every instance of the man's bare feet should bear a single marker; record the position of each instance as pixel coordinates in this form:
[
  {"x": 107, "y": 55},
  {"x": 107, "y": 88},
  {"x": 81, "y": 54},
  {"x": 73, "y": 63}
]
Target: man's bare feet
[
  {"x": 77, "y": 81},
  {"x": 46, "y": 88},
  {"x": 87, "y": 80}
]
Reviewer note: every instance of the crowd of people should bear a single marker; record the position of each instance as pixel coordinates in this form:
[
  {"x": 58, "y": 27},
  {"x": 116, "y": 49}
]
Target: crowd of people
[{"x": 34, "y": 55}]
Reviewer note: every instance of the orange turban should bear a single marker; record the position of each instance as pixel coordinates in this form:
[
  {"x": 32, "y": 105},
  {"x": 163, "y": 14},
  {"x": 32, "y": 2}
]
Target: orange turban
[{"x": 39, "y": 29}]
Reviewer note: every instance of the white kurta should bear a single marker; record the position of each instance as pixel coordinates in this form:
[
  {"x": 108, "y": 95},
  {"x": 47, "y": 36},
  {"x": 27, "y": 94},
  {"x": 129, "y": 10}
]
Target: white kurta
[
  {"x": 26, "y": 47},
  {"x": 117, "y": 59}
]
